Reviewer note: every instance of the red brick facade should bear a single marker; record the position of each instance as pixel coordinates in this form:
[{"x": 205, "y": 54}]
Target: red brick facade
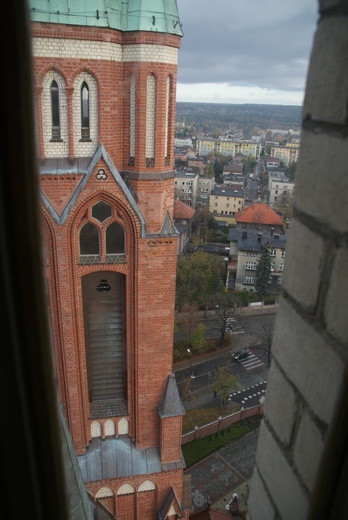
[{"x": 147, "y": 265}]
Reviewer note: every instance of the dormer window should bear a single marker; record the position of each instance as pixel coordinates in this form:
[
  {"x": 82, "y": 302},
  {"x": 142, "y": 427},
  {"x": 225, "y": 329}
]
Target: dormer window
[
  {"x": 55, "y": 111},
  {"x": 85, "y": 117}
]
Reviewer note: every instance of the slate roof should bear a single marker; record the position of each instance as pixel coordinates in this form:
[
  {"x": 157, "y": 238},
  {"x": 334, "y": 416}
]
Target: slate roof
[
  {"x": 114, "y": 458},
  {"x": 254, "y": 241},
  {"x": 171, "y": 405},
  {"x": 226, "y": 191},
  {"x": 259, "y": 213}
]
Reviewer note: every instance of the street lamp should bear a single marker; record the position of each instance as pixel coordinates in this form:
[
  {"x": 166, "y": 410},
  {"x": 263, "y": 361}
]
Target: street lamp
[{"x": 189, "y": 351}]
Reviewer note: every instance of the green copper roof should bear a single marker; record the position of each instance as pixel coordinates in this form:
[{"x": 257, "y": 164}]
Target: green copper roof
[{"x": 124, "y": 15}]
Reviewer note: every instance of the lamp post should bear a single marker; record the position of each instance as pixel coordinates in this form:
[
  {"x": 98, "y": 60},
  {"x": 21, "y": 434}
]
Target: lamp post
[{"x": 190, "y": 352}]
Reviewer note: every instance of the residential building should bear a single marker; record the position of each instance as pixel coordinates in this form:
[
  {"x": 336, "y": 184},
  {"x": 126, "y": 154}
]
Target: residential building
[
  {"x": 233, "y": 168},
  {"x": 206, "y": 146},
  {"x": 106, "y": 177},
  {"x": 196, "y": 161},
  {"x": 280, "y": 188},
  {"x": 287, "y": 154},
  {"x": 226, "y": 202},
  {"x": 183, "y": 215},
  {"x": 205, "y": 185},
  {"x": 259, "y": 216},
  {"x": 246, "y": 247},
  {"x": 185, "y": 185}
]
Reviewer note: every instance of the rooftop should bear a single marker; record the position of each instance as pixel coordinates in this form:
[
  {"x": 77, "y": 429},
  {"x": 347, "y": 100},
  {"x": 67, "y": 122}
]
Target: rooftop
[
  {"x": 125, "y": 15},
  {"x": 259, "y": 214}
]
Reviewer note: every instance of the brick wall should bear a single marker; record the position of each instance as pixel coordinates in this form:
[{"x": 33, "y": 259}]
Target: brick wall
[{"x": 310, "y": 343}]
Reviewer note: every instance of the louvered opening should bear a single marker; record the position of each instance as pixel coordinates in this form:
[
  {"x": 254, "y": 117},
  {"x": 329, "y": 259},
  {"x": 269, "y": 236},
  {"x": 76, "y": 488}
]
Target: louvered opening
[{"x": 105, "y": 339}]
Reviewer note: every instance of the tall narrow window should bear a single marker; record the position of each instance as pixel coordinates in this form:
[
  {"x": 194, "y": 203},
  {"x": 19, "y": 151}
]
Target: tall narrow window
[
  {"x": 150, "y": 120},
  {"x": 85, "y": 120},
  {"x": 55, "y": 110}
]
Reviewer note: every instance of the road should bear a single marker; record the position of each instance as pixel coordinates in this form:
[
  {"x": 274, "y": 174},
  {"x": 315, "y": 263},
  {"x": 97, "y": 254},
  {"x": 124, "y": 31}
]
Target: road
[
  {"x": 251, "y": 372},
  {"x": 250, "y": 325}
]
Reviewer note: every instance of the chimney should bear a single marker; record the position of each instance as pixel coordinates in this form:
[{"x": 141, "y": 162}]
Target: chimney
[
  {"x": 244, "y": 234},
  {"x": 272, "y": 231},
  {"x": 276, "y": 236},
  {"x": 259, "y": 236}
]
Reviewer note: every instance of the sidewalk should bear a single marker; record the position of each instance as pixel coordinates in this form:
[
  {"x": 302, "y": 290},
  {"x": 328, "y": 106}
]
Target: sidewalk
[{"x": 223, "y": 473}]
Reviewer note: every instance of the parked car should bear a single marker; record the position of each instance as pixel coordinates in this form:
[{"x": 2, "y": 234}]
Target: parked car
[{"x": 240, "y": 354}]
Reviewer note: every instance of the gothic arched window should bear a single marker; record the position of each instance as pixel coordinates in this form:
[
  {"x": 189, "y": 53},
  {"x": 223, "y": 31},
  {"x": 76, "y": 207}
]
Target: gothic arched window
[
  {"x": 114, "y": 239},
  {"x": 89, "y": 240},
  {"x": 85, "y": 117},
  {"x": 55, "y": 110}
]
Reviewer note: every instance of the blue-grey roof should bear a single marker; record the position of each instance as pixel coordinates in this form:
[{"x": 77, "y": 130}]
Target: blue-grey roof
[
  {"x": 171, "y": 405},
  {"x": 253, "y": 240},
  {"x": 226, "y": 191},
  {"x": 125, "y": 15},
  {"x": 114, "y": 458}
]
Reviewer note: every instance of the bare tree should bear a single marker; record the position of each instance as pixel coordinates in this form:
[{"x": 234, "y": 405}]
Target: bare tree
[
  {"x": 266, "y": 334},
  {"x": 227, "y": 305}
]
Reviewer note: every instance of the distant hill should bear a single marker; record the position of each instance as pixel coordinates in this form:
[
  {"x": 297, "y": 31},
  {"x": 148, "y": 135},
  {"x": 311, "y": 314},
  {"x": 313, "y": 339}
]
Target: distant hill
[{"x": 280, "y": 117}]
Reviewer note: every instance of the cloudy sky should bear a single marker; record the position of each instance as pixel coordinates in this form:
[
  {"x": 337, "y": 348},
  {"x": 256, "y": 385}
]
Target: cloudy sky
[{"x": 245, "y": 51}]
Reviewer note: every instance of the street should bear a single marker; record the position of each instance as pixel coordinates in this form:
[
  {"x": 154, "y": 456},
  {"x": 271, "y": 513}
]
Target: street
[{"x": 251, "y": 371}]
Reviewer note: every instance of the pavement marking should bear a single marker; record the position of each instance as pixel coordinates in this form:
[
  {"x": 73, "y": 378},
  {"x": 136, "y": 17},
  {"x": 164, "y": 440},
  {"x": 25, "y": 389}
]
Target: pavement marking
[{"x": 252, "y": 362}]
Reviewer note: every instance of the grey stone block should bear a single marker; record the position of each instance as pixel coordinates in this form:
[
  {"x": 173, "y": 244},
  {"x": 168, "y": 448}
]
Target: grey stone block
[
  {"x": 308, "y": 451},
  {"x": 321, "y": 189},
  {"x": 327, "y": 84},
  {"x": 286, "y": 491},
  {"x": 280, "y": 405},
  {"x": 259, "y": 505},
  {"x": 310, "y": 363},
  {"x": 302, "y": 272},
  {"x": 336, "y": 303}
]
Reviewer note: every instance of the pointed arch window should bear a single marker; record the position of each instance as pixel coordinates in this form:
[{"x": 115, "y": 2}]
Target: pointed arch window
[
  {"x": 85, "y": 112},
  {"x": 114, "y": 239},
  {"x": 55, "y": 111},
  {"x": 89, "y": 241}
]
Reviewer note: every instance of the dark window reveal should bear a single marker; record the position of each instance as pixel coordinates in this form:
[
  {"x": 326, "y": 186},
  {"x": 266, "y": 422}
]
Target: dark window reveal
[
  {"x": 114, "y": 239},
  {"x": 89, "y": 240},
  {"x": 55, "y": 110},
  {"x": 85, "y": 120}
]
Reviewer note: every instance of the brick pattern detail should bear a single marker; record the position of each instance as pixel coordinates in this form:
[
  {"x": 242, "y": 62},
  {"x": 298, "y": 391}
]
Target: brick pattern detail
[
  {"x": 140, "y": 503},
  {"x": 105, "y": 59},
  {"x": 150, "y": 117},
  {"x": 171, "y": 428}
]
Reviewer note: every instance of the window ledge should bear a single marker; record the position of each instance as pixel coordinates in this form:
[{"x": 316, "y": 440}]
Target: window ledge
[
  {"x": 56, "y": 140},
  {"x": 85, "y": 140}
]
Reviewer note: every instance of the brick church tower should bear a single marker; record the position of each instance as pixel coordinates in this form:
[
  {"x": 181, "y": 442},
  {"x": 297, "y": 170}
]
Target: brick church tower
[{"x": 105, "y": 80}]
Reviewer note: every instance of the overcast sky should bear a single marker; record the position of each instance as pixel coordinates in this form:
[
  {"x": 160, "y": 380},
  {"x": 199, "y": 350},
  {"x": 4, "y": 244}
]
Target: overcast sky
[{"x": 245, "y": 51}]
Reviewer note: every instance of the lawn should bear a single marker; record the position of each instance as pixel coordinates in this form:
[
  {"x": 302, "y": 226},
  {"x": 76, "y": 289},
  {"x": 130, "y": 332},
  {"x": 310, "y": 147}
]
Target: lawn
[
  {"x": 201, "y": 416},
  {"x": 197, "y": 450}
]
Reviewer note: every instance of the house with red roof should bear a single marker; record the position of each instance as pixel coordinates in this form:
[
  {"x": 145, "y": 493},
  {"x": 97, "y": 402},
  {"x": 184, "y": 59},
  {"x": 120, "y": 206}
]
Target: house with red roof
[
  {"x": 259, "y": 216},
  {"x": 183, "y": 215}
]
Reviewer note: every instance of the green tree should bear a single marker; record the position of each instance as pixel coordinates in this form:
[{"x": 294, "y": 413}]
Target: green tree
[
  {"x": 263, "y": 273},
  {"x": 224, "y": 382},
  {"x": 292, "y": 171},
  {"x": 197, "y": 338},
  {"x": 199, "y": 275}
]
